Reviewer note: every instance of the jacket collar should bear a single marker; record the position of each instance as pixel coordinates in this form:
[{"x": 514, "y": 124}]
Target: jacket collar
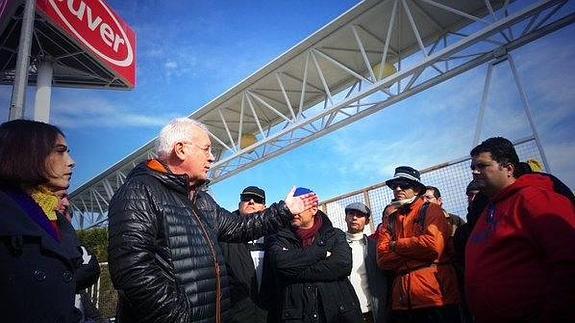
[
  {"x": 289, "y": 232},
  {"x": 16, "y": 224},
  {"x": 157, "y": 170}
]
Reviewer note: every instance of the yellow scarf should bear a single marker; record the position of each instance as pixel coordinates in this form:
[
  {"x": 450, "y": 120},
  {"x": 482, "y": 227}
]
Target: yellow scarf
[{"x": 47, "y": 201}]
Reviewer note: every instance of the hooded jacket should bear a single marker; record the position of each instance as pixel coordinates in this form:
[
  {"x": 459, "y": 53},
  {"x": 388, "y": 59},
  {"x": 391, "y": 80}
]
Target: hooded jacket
[
  {"x": 520, "y": 257},
  {"x": 310, "y": 286},
  {"x": 425, "y": 276},
  {"x": 164, "y": 256}
]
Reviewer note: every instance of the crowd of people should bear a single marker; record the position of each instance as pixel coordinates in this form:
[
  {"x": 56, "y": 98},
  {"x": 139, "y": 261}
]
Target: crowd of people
[{"x": 175, "y": 255}]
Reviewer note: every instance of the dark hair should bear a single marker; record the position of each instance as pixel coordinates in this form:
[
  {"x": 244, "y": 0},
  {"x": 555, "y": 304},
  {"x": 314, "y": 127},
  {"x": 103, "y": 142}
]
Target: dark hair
[
  {"x": 24, "y": 147},
  {"x": 435, "y": 190},
  {"x": 501, "y": 149}
]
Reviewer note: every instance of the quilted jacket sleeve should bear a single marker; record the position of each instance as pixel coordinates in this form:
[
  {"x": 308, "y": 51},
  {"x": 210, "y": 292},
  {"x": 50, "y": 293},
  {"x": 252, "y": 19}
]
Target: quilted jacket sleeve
[
  {"x": 141, "y": 278},
  {"x": 232, "y": 227}
]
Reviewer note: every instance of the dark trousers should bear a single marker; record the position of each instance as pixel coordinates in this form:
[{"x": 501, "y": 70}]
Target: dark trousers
[{"x": 444, "y": 314}]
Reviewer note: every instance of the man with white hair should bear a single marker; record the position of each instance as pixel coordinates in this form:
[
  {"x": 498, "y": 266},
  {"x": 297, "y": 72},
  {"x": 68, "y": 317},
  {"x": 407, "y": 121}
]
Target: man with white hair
[{"x": 164, "y": 256}]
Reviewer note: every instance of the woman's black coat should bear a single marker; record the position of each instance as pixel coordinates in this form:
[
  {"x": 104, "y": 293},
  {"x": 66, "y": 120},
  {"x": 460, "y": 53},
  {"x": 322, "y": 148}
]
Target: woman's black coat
[{"x": 37, "y": 273}]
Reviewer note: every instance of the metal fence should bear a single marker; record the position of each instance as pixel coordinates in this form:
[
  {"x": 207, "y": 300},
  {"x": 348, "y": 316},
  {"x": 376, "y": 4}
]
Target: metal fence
[
  {"x": 103, "y": 295},
  {"x": 451, "y": 178}
]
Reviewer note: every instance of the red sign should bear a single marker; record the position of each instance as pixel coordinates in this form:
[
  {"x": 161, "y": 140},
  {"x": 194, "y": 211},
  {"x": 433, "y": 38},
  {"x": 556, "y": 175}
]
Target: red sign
[{"x": 99, "y": 30}]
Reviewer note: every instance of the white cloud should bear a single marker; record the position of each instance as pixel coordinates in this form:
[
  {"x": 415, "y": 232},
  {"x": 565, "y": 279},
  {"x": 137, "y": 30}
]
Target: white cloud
[
  {"x": 170, "y": 64},
  {"x": 94, "y": 111}
]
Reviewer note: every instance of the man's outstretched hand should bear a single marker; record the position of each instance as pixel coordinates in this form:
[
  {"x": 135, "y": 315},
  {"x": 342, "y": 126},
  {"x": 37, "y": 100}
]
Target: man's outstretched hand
[{"x": 298, "y": 204}]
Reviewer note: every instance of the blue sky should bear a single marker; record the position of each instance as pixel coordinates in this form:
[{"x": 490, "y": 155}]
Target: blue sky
[{"x": 189, "y": 52}]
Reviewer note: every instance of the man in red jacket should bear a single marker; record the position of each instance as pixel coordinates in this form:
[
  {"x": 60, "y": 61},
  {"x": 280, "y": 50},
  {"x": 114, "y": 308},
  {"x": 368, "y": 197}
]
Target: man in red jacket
[{"x": 520, "y": 257}]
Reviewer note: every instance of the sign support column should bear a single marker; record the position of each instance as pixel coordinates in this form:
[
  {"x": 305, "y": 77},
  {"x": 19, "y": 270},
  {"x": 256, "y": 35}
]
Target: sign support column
[
  {"x": 43, "y": 91},
  {"x": 23, "y": 61}
]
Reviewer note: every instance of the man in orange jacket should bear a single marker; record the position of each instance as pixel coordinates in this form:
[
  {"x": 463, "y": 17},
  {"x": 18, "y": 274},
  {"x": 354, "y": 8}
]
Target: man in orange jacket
[{"x": 412, "y": 243}]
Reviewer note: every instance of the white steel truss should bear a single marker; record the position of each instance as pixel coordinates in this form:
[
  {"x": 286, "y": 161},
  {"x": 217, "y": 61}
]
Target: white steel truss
[{"x": 373, "y": 56}]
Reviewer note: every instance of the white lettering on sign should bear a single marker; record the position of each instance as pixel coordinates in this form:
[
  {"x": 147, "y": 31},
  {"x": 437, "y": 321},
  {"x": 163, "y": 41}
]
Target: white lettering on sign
[
  {"x": 85, "y": 14},
  {"x": 108, "y": 36}
]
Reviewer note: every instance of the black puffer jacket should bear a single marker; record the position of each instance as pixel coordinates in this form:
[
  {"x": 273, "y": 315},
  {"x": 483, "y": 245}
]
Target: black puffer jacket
[
  {"x": 165, "y": 260},
  {"x": 312, "y": 287}
]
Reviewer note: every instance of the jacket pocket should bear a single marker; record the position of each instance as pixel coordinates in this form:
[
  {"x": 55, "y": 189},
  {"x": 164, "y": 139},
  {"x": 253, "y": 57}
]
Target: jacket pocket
[
  {"x": 348, "y": 313},
  {"x": 292, "y": 314}
]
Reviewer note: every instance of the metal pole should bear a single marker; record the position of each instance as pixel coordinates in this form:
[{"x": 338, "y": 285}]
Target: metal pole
[
  {"x": 43, "y": 91},
  {"x": 483, "y": 105},
  {"x": 23, "y": 61},
  {"x": 528, "y": 113}
]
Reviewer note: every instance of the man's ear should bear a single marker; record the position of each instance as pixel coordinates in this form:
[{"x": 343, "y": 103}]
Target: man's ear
[
  {"x": 510, "y": 169},
  {"x": 367, "y": 220},
  {"x": 179, "y": 151}
]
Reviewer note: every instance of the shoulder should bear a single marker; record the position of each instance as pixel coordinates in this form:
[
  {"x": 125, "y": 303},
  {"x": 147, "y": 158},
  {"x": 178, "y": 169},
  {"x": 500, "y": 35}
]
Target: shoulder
[
  {"x": 205, "y": 200},
  {"x": 280, "y": 237},
  {"x": 337, "y": 235},
  {"x": 432, "y": 211},
  {"x": 138, "y": 185},
  {"x": 535, "y": 200}
]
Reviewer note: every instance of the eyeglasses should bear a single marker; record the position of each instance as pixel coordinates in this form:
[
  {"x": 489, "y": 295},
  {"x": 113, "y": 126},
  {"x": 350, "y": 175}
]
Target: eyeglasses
[
  {"x": 207, "y": 150},
  {"x": 255, "y": 198},
  {"x": 405, "y": 185}
]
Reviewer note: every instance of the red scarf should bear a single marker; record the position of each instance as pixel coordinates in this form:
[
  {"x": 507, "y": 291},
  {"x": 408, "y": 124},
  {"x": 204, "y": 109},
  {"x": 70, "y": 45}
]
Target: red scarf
[{"x": 306, "y": 235}]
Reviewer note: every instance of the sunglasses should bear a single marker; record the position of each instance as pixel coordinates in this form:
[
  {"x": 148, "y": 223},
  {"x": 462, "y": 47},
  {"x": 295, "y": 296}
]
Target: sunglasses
[
  {"x": 402, "y": 184},
  {"x": 255, "y": 198}
]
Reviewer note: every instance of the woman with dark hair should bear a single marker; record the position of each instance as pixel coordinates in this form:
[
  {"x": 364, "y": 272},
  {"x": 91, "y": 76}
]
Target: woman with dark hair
[{"x": 39, "y": 251}]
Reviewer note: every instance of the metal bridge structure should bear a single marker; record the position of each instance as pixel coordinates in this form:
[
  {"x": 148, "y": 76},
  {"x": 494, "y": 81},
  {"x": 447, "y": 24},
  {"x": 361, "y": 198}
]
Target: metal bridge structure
[{"x": 371, "y": 57}]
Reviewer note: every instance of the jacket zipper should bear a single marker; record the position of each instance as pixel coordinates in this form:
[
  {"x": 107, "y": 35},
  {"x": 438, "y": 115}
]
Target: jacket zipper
[{"x": 216, "y": 268}]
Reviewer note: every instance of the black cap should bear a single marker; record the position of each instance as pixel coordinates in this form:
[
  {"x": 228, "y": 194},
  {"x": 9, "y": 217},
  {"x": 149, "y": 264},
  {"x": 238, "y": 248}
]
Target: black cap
[
  {"x": 254, "y": 190},
  {"x": 407, "y": 173}
]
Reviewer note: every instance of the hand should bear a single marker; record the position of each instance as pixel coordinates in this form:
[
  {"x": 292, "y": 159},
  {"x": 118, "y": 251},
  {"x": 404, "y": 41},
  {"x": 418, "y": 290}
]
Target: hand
[{"x": 298, "y": 204}]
